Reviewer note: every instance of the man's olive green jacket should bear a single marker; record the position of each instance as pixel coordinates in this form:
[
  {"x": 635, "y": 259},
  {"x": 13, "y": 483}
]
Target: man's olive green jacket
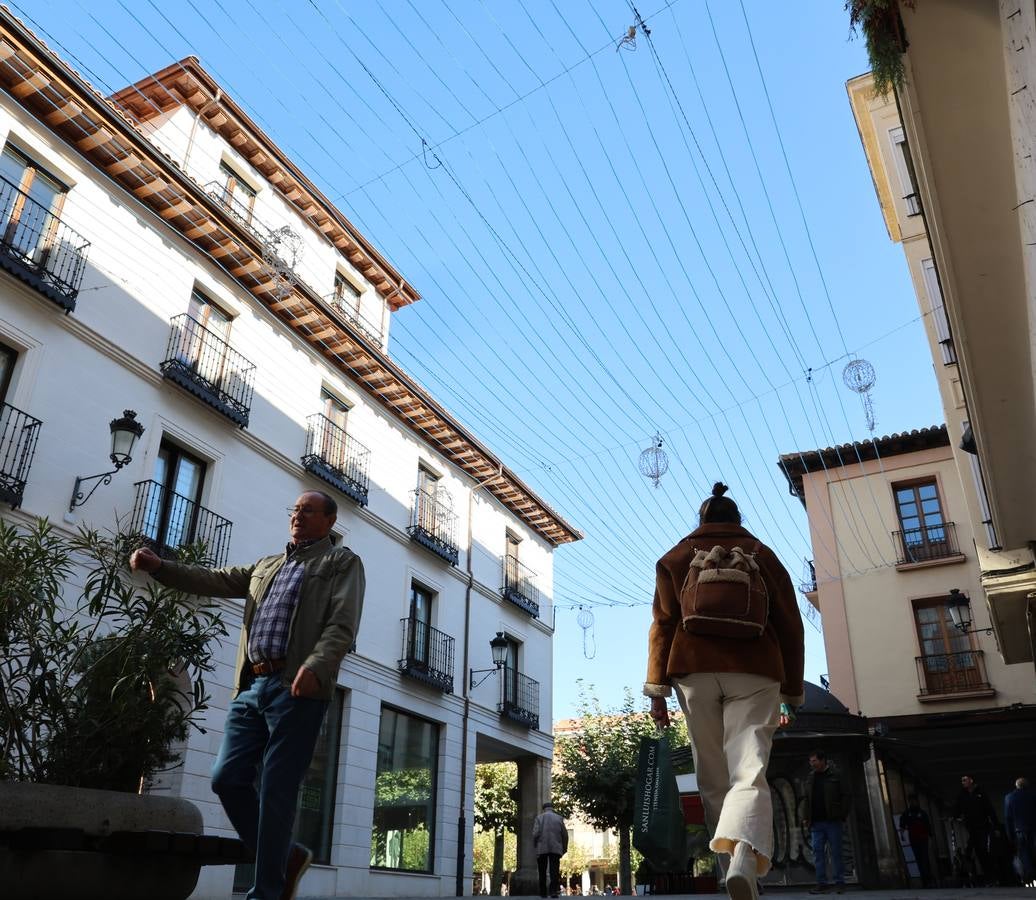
[{"x": 326, "y": 618}]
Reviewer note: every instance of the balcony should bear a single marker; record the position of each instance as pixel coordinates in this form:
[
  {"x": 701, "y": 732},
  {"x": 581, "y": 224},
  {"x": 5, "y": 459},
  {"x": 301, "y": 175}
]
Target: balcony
[
  {"x": 337, "y": 458},
  {"x": 167, "y": 521},
  {"x": 345, "y": 306},
  {"x": 927, "y": 545},
  {"x": 18, "y": 434},
  {"x": 520, "y": 587},
  {"x": 433, "y": 525},
  {"x": 39, "y": 248},
  {"x": 519, "y": 698},
  {"x": 237, "y": 210},
  {"x": 953, "y": 676},
  {"x": 204, "y": 364},
  {"x": 427, "y": 655},
  {"x": 808, "y": 585}
]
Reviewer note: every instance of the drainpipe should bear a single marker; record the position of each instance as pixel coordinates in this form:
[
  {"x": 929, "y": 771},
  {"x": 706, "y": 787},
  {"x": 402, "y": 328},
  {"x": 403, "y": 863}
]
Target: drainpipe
[
  {"x": 194, "y": 125},
  {"x": 462, "y": 823}
]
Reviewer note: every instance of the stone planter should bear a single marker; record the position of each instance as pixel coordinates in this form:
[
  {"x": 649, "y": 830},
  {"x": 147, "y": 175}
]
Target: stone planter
[{"x": 58, "y": 843}]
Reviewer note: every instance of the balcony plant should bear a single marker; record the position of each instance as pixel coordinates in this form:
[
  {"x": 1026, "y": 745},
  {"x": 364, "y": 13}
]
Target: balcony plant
[{"x": 101, "y": 679}]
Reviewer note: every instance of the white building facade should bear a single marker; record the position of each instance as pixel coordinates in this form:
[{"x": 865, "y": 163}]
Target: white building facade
[{"x": 160, "y": 254}]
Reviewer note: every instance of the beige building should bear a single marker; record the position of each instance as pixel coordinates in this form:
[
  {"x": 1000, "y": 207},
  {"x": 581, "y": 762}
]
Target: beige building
[
  {"x": 952, "y": 161},
  {"x": 892, "y": 538}
]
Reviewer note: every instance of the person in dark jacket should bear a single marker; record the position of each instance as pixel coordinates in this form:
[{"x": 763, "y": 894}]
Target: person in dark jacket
[
  {"x": 975, "y": 810},
  {"x": 1020, "y": 819},
  {"x": 550, "y": 841},
  {"x": 918, "y": 827},
  {"x": 730, "y": 689},
  {"x": 827, "y": 805}
]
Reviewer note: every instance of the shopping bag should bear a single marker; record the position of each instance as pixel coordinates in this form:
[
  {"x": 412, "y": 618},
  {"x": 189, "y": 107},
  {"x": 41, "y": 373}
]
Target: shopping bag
[{"x": 658, "y": 827}]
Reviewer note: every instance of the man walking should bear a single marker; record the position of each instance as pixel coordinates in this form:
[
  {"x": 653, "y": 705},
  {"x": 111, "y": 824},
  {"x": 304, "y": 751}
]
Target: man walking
[
  {"x": 918, "y": 827},
  {"x": 827, "y": 804},
  {"x": 550, "y": 841},
  {"x": 1020, "y": 818},
  {"x": 977, "y": 812},
  {"x": 302, "y": 611}
]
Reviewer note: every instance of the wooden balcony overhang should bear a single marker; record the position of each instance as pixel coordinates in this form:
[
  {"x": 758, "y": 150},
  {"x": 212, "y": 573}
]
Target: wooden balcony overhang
[{"x": 110, "y": 139}]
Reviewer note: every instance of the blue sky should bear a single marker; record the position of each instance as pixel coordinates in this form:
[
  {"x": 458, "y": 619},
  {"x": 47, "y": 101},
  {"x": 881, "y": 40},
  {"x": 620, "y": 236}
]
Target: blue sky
[{"x": 610, "y": 243}]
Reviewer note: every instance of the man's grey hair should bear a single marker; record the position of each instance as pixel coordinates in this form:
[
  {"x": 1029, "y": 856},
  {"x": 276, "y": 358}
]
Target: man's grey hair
[{"x": 1022, "y": 783}]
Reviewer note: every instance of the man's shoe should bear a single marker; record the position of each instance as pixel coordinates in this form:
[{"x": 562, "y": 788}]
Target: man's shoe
[
  {"x": 839, "y": 888},
  {"x": 298, "y": 861},
  {"x": 819, "y": 889},
  {"x": 741, "y": 876}
]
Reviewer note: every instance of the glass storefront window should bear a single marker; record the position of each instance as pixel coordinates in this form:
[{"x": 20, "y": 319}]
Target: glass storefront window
[{"x": 403, "y": 833}]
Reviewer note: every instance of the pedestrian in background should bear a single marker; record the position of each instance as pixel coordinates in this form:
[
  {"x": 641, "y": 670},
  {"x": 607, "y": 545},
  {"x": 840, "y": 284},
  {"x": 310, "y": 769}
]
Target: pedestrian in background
[
  {"x": 918, "y": 828},
  {"x": 975, "y": 810},
  {"x": 550, "y": 843},
  {"x": 827, "y": 805},
  {"x": 730, "y": 685},
  {"x": 302, "y": 611},
  {"x": 1020, "y": 820}
]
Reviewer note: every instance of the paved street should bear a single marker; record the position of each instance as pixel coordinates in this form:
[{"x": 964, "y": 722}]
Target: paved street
[{"x": 1017, "y": 893}]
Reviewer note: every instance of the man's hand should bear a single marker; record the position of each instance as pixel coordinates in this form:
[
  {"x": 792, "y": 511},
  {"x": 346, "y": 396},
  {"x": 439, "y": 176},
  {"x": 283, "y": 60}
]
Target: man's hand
[
  {"x": 145, "y": 560},
  {"x": 305, "y": 684},
  {"x": 660, "y": 712},
  {"x": 786, "y": 716}
]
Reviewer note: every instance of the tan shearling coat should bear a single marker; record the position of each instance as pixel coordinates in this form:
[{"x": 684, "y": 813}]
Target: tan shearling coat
[{"x": 672, "y": 652}]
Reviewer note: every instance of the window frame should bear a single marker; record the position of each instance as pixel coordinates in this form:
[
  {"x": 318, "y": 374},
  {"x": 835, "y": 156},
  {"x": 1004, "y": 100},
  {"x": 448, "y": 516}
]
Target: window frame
[
  {"x": 419, "y": 645},
  {"x": 956, "y": 645},
  {"x": 352, "y": 296},
  {"x": 162, "y": 520},
  {"x": 923, "y": 526},
  {"x": 31, "y": 170},
  {"x": 234, "y": 180},
  {"x": 7, "y": 374},
  {"x": 432, "y": 805},
  {"x": 905, "y": 170}
]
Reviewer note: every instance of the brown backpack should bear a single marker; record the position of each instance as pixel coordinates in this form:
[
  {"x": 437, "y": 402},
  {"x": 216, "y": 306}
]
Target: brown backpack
[{"x": 724, "y": 594}]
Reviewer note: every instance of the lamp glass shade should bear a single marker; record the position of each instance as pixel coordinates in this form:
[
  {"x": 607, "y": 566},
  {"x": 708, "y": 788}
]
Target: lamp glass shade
[
  {"x": 959, "y": 608},
  {"x": 125, "y": 432},
  {"x": 499, "y": 647}
]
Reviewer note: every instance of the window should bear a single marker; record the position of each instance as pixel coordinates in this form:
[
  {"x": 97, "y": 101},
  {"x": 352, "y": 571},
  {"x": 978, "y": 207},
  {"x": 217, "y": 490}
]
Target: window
[
  {"x": 332, "y": 438},
  {"x": 7, "y": 361},
  {"x": 905, "y": 171},
  {"x": 314, "y": 812},
  {"x": 173, "y": 503},
  {"x": 209, "y": 315},
  {"x": 29, "y": 212},
  {"x": 238, "y": 195},
  {"x": 420, "y": 621},
  {"x": 347, "y": 295},
  {"x": 513, "y": 543},
  {"x": 939, "y": 318},
  {"x": 947, "y": 655},
  {"x": 202, "y": 344},
  {"x": 511, "y": 693},
  {"x": 924, "y": 532},
  {"x": 403, "y": 830}
]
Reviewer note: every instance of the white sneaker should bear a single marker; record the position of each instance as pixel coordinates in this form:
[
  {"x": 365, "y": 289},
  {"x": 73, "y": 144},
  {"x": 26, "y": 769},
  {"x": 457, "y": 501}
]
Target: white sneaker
[{"x": 741, "y": 883}]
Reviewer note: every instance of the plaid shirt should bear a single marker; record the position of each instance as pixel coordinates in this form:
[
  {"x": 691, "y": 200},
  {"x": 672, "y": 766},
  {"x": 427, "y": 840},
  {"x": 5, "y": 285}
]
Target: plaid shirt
[{"x": 268, "y": 636}]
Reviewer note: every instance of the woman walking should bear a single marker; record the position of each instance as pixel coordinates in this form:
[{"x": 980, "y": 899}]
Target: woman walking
[{"x": 727, "y": 635}]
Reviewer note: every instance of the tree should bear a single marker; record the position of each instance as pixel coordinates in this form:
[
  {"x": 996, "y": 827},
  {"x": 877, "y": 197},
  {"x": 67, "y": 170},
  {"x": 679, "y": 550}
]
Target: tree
[
  {"x": 496, "y": 809},
  {"x": 596, "y": 767},
  {"x": 576, "y": 861}
]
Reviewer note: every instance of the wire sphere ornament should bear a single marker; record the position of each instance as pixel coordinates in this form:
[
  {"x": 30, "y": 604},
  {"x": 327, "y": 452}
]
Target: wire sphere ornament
[
  {"x": 585, "y": 620},
  {"x": 859, "y": 377},
  {"x": 654, "y": 461}
]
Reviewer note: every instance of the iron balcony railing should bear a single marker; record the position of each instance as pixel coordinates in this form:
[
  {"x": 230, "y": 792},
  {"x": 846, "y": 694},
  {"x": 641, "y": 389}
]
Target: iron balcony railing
[
  {"x": 520, "y": 586},
  {"x": 433, "y": 525},
  {"x": 18, "y": 434},
  {"x": 337, "y": 458},
  {"x": 167, "y": 520},
  {"x": 929, "y": 542},
  {"x": 519, "y": 698},
  {"x": 346, "y": 306},
  {"x": 809, "y": 577},
  {"x": 427, "y": 655},
  {"x": 39, "y": 247},
  {"x": 952, "y": 673},
  {"x": 238, "y": 210},
  {"x": 204, "y": 364}
]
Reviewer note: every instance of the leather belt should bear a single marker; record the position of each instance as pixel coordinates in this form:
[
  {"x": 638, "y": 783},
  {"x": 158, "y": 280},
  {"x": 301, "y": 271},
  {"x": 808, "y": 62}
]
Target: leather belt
[{"x": 268, "y": 667}]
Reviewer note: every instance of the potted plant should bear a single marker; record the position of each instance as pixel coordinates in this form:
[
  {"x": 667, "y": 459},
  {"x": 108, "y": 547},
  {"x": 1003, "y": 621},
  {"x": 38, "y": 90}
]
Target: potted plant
[{"x": 100, "y": 680}]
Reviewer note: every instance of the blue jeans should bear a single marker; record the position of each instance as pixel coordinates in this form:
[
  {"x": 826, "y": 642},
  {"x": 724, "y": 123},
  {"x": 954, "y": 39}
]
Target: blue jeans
[
  {"x": 823, "y": 835},
  {"x": 269, "y": 740}
]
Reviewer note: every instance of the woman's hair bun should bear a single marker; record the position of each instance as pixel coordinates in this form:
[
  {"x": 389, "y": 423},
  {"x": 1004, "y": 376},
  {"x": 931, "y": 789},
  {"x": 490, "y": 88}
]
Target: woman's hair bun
[{"x": 719, "y": 489}]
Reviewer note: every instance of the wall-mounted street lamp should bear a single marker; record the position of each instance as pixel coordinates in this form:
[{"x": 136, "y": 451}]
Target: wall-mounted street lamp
[
  {"x": 959, "y": 607},
  {"x": 499, "y": 647},
  {"x": 125, "y": 432}
]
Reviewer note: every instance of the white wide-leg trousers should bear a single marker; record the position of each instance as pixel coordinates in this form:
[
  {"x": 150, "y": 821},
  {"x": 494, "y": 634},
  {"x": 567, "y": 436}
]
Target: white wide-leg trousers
[{"x": 731, "y": 719}]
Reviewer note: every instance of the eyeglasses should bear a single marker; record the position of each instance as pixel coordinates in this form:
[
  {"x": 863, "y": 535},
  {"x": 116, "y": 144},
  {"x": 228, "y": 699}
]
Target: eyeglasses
[{"x": 301, "y": 511}]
